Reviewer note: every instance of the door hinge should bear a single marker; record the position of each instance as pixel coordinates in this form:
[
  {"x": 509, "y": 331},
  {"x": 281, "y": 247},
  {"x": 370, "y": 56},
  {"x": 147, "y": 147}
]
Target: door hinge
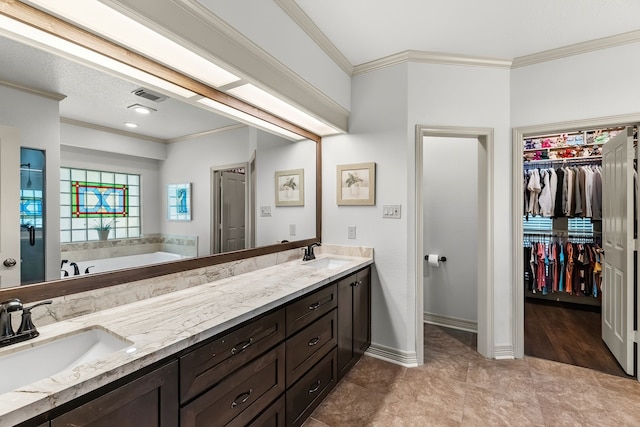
[{"x": 636, "y": 337}]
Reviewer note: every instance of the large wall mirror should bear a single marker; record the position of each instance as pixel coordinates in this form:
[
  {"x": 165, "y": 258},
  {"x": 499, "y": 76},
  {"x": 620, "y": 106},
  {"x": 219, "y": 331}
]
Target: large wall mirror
[{"x": 101, "y": 203}]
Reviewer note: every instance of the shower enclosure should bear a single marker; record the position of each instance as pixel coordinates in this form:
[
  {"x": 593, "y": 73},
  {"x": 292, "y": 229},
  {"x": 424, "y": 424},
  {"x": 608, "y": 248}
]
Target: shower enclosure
[{"x": 32, "y": 223}]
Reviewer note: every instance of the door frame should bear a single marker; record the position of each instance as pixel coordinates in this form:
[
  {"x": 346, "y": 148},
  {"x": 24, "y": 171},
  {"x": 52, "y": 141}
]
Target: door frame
[
  {"x": 485, "y": 137},
  {"x": 517, "y": 226},
  {"x": 215, "y": 195}
]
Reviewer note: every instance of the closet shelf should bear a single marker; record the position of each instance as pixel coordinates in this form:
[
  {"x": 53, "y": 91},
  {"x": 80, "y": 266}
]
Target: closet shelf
[
  {"x": 564, "y": 159},
  {"x": 564, "y": 147}
]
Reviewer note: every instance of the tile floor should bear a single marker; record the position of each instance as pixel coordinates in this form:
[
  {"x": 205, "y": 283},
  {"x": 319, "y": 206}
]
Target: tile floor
[{"x": 458, "y": 387}]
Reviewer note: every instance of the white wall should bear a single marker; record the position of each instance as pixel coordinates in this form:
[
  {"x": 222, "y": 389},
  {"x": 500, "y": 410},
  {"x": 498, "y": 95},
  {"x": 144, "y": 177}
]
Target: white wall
[
  {"x": 276, "y": 154},
  {"x": 387, "y": 105},
  {"x": 450, "y": 226},
  {"x": 192, "y": 161},
  {"x": 39, "y": 123},
  {"x": 592, "y": 85},
  {"x": 378, "y": 133}
]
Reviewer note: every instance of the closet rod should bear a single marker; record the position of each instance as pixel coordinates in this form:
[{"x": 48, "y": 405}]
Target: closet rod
[{"x": 586, "y": 161}]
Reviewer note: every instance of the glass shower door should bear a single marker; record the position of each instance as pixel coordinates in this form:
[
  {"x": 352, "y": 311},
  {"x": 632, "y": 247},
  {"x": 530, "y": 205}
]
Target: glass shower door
[{"x": 32, "y": 231}]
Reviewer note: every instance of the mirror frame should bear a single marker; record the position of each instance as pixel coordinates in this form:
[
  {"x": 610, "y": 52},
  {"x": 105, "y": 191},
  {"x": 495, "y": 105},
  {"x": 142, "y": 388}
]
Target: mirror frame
[{"x": 56, "y": 288}]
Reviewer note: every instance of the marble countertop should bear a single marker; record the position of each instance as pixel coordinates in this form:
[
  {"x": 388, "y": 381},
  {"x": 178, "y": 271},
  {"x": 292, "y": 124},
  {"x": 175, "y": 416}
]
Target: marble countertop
[{"x": 162, "y": 326}]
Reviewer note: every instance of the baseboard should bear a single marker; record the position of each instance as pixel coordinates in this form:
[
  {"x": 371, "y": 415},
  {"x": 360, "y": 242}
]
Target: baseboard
[
  {"x": 451, "y": 322},
  {"x": 503, "y": 352},
  {"x": 393, "y": 355}
]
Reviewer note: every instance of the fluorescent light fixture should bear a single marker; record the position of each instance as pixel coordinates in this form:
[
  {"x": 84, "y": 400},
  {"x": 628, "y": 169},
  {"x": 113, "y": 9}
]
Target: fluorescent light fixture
[
  {"x": 141, "y": 109},
  {"x": 42, "y": 40},
  {"x": 130, "y": 125},
  {"x": 268, "y": 102},
  {"x": 249, "y": 119},
  {"x": 118, "y": 27}
]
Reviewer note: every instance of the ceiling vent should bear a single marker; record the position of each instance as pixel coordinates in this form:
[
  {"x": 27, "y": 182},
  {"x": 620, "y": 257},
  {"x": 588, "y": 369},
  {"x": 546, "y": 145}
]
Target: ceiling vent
[{"x": 150, "y": 95}]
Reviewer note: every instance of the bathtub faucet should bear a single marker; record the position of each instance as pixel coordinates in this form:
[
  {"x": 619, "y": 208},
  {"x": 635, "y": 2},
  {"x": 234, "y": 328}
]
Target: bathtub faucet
[{"x": 76, "y": 269}]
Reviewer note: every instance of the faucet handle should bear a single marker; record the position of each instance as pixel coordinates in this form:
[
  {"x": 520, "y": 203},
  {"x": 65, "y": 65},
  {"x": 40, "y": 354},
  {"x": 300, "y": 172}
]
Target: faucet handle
[{"x": 26, "y": 325}]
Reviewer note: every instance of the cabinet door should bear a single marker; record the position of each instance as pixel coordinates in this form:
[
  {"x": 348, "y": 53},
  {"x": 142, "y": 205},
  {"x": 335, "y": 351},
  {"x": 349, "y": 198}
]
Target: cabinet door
[
  {"x": 151, "y": 400},
  {"x": 362, "y": 312},
  {"x": 345, "y": 324}
]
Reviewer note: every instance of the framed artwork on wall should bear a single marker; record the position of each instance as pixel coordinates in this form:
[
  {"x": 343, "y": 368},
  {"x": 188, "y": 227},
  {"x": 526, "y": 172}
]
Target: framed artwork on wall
[
  {"x": 356, "y": 184},
  {"x": 290, "y": 187},
  {"x": 179, "y": 202}
]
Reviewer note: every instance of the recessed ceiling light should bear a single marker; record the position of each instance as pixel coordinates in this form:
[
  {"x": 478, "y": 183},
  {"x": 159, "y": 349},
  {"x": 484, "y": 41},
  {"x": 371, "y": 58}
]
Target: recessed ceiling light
[
  {"x": 141, "y": 109},
  {"x": 130, "y": 125}
]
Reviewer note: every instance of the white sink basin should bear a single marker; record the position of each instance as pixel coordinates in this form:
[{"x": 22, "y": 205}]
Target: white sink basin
[
  {"x": 32, "y": 363},
  {"x": 329, "y": 263}
]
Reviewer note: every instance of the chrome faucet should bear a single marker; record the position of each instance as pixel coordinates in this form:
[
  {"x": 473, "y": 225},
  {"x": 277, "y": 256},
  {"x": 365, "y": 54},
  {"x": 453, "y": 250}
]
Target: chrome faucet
[
  {"x": 76, "y": 269},
  {"x": 308, "y": 252},
  {"x": 27, "y": 329}
]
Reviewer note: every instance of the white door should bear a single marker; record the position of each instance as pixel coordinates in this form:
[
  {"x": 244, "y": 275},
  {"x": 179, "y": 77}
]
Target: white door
[
  {"x": 232, "y": 221},
  {"x": 618, "y": 244},
  {"x": 9, "y": 207}
]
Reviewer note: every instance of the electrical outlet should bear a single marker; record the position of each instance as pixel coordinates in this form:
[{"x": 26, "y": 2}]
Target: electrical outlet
[
  {"x": 351, "y": 232},
  {"x": 265, "y": 210},
  {"x": 292, "y": 229},
  {"x": 391, "y": 211}
]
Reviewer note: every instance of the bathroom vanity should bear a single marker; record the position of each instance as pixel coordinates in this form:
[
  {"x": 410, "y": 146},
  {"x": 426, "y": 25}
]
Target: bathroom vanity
[{"x": 260, "y": 348}]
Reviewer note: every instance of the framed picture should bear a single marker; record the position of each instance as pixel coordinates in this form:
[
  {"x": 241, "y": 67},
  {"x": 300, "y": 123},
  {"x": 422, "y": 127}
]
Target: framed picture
[
  {"x": 356, "y": 184},
  {"x": 290, "y": 187},
  {"x": 179, "y": 202}
]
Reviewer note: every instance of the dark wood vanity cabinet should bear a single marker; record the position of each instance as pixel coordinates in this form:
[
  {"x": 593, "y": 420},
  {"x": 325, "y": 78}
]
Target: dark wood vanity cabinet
[
  {"x": 271, "y": 371},
  {"x": 150, "y": 400},
  {"x": 354, "y": 318}
]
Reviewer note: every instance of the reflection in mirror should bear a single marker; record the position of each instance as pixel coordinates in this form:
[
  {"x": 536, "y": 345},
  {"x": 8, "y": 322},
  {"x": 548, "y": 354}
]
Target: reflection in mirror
[{"x": 112, "y": 193}]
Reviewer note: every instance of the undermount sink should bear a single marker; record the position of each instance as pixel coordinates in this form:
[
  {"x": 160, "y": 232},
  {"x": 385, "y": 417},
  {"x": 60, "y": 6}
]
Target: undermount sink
[
  {"x": 44, "y": 359},
  {"x": 329, "y": 263}
]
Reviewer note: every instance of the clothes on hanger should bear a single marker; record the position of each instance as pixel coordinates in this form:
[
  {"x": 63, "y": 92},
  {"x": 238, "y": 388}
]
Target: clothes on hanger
[
  {"x": 561, "y": 265},
  {"x": 568, "y": 191}
]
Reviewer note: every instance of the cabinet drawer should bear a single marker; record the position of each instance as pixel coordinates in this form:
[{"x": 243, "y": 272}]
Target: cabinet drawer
[
  {"x": 206, "y": 366},
  {"x": 311, "y": 389},
  {"x": 241, "y": 396},
  {"x": 273, "y": 416},
  {"x": 306, "y": 310},
  {"x": 308, "y": 346}
]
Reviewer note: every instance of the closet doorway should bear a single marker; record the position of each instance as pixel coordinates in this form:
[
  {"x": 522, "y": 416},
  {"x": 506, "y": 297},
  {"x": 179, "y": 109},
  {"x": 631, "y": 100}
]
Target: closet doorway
[
  {"x": 570, "y": 179},
  {"x": 442, "y": 283}
]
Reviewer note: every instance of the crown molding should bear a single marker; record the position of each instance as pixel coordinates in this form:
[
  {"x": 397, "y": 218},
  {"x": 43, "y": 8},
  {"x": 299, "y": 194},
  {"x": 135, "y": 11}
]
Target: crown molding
[
  {"x": 205, "y": 133},
  {"x": 296, "y": 13},
  {"x": 107, "y": 129},
  {"x": 577, "y": 49},
  {"x": 431, "y": 58},
  {"x": 43, "y": 93}
]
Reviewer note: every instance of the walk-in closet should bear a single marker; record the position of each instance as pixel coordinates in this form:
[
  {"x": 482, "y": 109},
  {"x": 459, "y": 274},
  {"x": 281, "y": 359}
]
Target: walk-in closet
[{"x": 564, "y": 256}]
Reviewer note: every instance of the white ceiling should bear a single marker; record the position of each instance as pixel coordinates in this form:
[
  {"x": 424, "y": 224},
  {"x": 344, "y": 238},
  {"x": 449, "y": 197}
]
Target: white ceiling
[
  {"x": 366, "y": 30},
  {"x": 99, "y": 98}
]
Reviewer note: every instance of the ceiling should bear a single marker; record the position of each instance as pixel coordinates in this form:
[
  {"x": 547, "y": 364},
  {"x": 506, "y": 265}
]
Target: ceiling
[
  {"x": 95, "y": 97},
  {"x": 366, "y": 30}
]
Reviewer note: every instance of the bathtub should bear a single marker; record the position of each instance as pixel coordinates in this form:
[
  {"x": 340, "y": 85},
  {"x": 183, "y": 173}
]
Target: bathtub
[{"x": 117, "y": 263}]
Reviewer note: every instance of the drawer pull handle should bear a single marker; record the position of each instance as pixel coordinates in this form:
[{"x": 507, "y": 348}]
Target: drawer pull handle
[
  {"x": 314, "y": 306},
  {"x": 242, "y": 398},
  {"x": 243, "y": 346},
  {"x": 315, "y": 387},
  {"x": 313, "y": 341}
]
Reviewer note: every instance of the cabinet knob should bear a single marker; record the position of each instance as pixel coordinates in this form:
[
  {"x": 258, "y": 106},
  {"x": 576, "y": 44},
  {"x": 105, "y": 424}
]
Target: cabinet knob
[
  {"x": 313, "y": 341},
  {"x": 314, "y": 306}
]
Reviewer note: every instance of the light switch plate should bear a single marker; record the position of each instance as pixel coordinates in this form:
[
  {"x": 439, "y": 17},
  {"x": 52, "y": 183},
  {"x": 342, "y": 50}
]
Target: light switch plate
[
  {"x": 351, "y": 231},
  {"x": 292, "y": 229},
  {"x": 391, "y": 211},
  {"x": 265, "y": 210}
]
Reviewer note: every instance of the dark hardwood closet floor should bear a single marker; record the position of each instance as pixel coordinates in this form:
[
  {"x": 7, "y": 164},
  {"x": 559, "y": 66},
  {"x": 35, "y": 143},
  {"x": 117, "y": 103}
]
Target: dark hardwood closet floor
[{"x": 567, "y": 335}]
